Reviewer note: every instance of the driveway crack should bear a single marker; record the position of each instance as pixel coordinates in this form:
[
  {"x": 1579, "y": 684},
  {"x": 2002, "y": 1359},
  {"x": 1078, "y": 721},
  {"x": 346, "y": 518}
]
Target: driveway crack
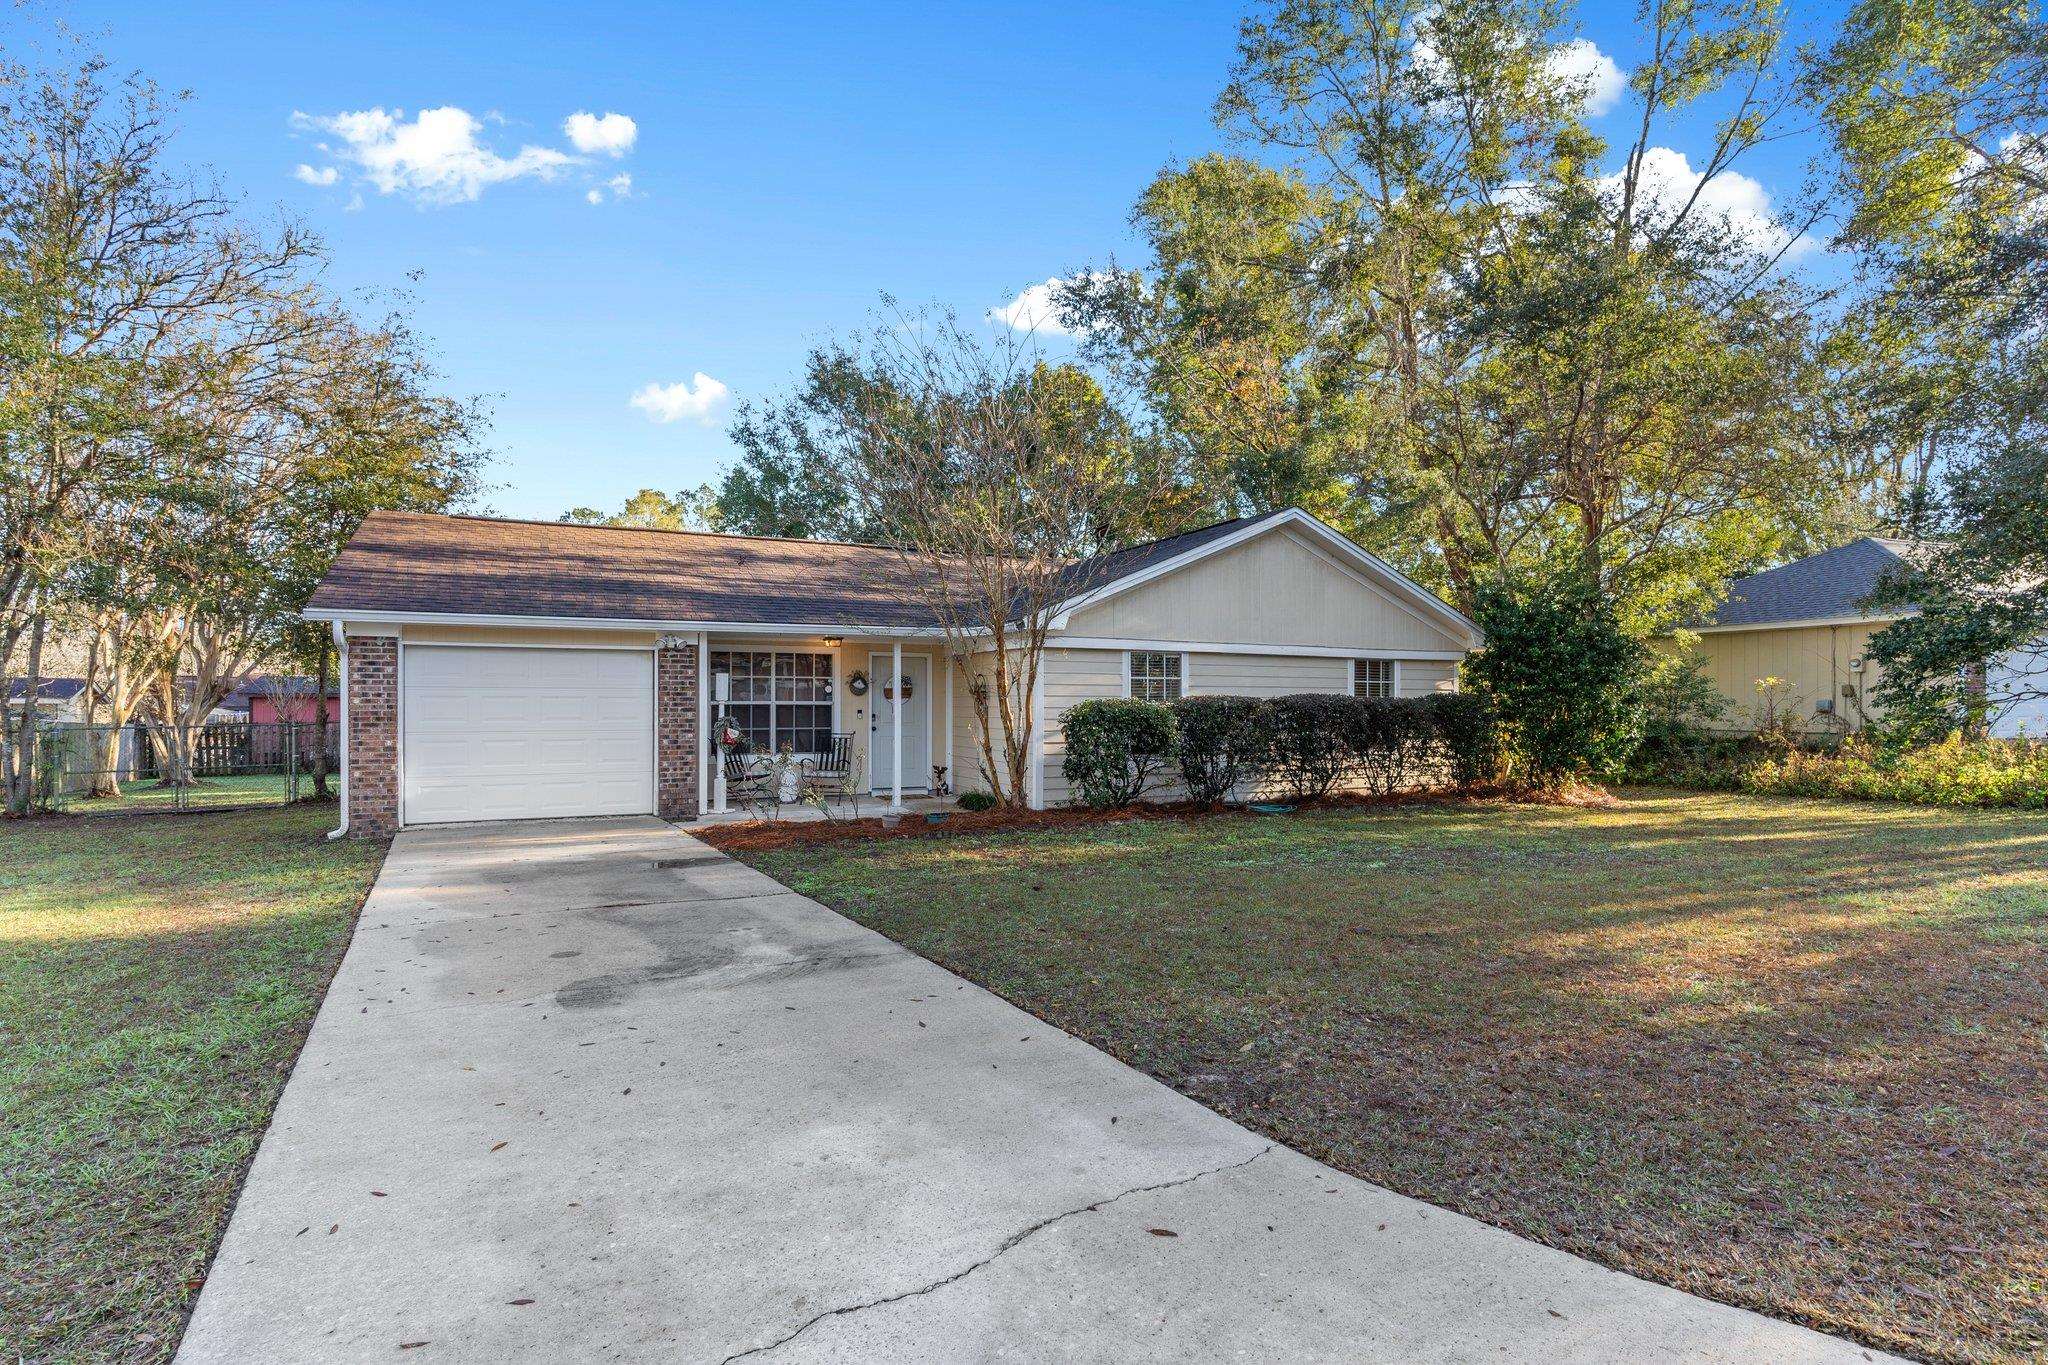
[{"x": 1009, "y": 1244}]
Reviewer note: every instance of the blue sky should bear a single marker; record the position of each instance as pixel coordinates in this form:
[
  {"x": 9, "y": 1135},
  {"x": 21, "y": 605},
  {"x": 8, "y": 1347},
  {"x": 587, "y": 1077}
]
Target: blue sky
[{"x": 786, "y": 163}]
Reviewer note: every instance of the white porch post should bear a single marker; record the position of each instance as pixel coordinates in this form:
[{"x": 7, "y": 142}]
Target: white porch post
[
  {"x": 896, "y": 725},
  {"x": 705, "y": 753},
  {"x": 947, "y": 664}
]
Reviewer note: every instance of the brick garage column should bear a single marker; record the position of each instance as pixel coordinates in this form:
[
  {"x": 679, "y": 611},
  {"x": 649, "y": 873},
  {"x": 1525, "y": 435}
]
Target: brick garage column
[
  {"x": 372, "y": 777},
  {"x": 675, "y": 731}
]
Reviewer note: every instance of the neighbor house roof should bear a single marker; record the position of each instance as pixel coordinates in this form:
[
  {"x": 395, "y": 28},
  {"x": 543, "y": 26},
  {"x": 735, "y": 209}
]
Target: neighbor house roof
[
  {"x": 1830, "y": 586},
  {"x": 48, "y": 689}
]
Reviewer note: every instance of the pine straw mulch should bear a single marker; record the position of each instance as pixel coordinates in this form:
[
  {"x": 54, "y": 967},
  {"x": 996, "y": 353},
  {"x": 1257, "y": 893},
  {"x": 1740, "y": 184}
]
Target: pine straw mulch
[{"x": 763, "y": 836}]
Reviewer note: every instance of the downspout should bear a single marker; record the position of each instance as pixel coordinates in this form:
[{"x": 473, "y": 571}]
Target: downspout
[{"x": 341, "y": 666}]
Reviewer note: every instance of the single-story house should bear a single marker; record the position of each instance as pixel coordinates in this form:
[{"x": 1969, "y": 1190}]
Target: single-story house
[
  {"x": 265, "y": 699},
  {"x": 498, "y": 669},
  {"x": 1808, "y": 624},
  {"x": 57, "y": 699}
]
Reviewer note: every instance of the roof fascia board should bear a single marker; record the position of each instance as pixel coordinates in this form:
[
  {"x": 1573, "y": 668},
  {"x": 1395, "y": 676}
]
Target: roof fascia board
[
  {"x": 1225, "y": 647},
  {"x": 1805, "y": 624}
]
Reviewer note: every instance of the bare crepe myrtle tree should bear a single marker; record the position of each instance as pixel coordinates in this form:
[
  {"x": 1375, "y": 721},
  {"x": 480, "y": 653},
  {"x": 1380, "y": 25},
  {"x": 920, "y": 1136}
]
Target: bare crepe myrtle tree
[{"x": 984, "y": 466}]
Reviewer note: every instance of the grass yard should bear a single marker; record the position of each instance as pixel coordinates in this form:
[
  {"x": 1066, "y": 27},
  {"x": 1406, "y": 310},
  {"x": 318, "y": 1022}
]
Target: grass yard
[
  {"x": 157, "y": 977},
  {"x": 252, "y": 789},
  {"x": 1787, "y": 1054}
]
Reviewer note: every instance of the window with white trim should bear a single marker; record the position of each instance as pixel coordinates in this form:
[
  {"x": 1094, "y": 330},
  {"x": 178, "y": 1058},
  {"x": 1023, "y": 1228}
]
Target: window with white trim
[
  {"x": 1155, "y": 677},
  {"x": 1372, "y": 677},
  {"x": 779, "y": 697}
]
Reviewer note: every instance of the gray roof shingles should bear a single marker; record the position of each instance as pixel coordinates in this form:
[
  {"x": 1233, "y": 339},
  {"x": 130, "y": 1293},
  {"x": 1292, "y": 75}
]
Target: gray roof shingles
[{"x": 1832, "y": 584}]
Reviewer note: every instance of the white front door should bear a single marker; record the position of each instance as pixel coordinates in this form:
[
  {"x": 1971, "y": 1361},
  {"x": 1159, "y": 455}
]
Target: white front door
[{"x": 917, "y": 724}]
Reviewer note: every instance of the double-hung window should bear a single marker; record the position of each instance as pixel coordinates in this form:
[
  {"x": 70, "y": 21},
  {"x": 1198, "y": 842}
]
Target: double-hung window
[
  {"x": 1155, "y": 677},
  {"x": 1372, "y": 677},
  {"x": 780, "y": 697}
]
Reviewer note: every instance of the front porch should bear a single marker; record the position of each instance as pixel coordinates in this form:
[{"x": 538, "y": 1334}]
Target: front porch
[
  {"x": 878, "y": 708},
  {"x": 869, "y": 807}
]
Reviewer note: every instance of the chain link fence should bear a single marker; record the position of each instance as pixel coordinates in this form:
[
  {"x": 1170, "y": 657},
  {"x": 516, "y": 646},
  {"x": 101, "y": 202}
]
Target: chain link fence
[{"x": 106, "y": 769}]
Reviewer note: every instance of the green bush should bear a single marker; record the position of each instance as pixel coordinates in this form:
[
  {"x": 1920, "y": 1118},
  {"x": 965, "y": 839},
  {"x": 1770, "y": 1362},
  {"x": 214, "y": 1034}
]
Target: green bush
[
  {"x": 1562, "y": 675},
  {"x": 1868, "y": 767},
  {"x": 1223, "y": 740},
  {"x": 1306, "y": 736},
  {"x": 975, "y": 800},
  {"x": 1385, "y": 739},
  {"x": 1467, "y": 735},
  {"x": 1115, "y": 747}
]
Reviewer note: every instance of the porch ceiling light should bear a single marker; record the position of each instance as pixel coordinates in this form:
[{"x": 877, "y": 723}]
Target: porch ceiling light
[{"x": 833, "y": 641}]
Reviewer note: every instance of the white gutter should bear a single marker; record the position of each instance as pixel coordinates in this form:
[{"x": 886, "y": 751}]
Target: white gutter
[{"x": 341, "y": 653}]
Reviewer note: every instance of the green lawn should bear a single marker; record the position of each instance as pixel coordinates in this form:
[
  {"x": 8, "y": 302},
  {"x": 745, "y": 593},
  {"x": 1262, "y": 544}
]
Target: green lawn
[
  {"x": 1787, "y": 1054},
  {"x": 253, "y": 789},
  {"x": 157, "y": 977}
]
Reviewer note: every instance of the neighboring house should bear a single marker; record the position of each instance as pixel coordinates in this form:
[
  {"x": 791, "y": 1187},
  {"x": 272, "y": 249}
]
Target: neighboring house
[
  {"x": 57, "y": 699},
  {"x": 509, "y": 669},
  {"x": 1808, "y": 624},
  {"x": 270, "y": 700}
]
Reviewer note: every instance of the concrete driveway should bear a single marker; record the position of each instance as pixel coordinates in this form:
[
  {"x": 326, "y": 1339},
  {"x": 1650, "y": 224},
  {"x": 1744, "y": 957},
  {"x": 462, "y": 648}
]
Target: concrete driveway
[{"x": 589, "y": 1090}]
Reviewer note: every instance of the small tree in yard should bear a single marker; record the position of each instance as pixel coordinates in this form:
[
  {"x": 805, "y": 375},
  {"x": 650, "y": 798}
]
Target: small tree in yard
[
  {"x": 1115, "y": 747},
  {"x": 1562, "y": 675},
  {"x": 999, "y": 479}
]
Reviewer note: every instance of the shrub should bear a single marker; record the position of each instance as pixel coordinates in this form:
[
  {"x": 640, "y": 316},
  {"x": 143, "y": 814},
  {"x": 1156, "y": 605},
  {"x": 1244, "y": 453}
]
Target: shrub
[
  {"x": 975, "y": 800},
  {"x": 1223, "y": 740},
  {"x": 1307, "y": 735},
  {"x": 1562, "y": 675},
  {"x": 1115, "y": 747},
  {"x": 1384, "y": 737},
  {"x": 1467, "y": 734}
]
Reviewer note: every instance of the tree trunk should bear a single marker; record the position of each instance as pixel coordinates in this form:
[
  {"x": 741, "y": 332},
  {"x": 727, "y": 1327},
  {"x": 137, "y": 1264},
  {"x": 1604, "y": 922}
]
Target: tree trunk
[
  {"x": 20, "y": 776},
  {"x": 322, "y": 674}
]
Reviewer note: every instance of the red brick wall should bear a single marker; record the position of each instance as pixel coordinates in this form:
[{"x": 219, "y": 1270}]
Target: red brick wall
[
  {"x": 372, "y": 736},
  {"x": 675, "y": 731}
]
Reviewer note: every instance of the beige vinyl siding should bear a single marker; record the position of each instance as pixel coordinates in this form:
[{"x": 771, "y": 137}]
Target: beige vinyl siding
[
  {"x": 1420, "y": 677},
  {"x": 1814, "y": 660},
  {"x": 1273, "y": 590},
  {"x": 966, "y": 775},
  {"x": 1267, "y": 675},
  {"x": 1073, "y": 675}
]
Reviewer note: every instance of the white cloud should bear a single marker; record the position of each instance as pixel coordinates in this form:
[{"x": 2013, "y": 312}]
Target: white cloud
[
  {"x": 326, "y": 175},
  {"x": 593, "y": 196},
  {"x": 435, "y": 158},
  {"x": 1036, "y": 310},
  {"x": 609, "y": 134},
  {"x": 1588, "y": 70},
  {"x": 621, "y": 186},
  {"x": 697, "y": 398},
  {"x": 1743, "y": 204}
]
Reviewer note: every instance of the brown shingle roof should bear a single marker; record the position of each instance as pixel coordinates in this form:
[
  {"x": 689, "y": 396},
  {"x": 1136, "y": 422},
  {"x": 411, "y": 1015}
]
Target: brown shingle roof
[{"x": 419, "y": 562}]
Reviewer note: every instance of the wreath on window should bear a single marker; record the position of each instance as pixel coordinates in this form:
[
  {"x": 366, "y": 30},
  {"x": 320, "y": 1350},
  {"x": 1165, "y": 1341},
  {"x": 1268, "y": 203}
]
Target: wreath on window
[
  {"x": 857, "y": 683},
  {"x": 729, "y": 738}
]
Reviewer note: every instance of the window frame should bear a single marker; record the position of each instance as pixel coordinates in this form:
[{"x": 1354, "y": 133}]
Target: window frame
[
  {"x": 773, "y": 692},
  {"x": 1178, "y": 678},
  {"x": 1392, "y": 679}
]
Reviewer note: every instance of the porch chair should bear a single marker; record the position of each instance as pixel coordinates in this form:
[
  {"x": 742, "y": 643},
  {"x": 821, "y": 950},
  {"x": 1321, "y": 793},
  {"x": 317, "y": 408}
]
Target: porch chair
[
  {"x": 747, "y": 786},
  {"x": 828, "y": 778}
]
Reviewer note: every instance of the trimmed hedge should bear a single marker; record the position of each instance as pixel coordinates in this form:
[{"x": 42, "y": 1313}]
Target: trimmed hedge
[
  {"x": 1115, "y": 747},
  {"x": 1310, "y": 742},
  {"x": 1223, "y": 740}
]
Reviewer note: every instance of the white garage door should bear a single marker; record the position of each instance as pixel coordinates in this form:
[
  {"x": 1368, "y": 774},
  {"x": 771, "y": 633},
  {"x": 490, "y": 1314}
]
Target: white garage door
[{"x": 521, "y": 734}]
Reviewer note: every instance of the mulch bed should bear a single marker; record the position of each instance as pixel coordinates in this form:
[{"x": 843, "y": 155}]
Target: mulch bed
[{"x": 760, "y": 836}]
